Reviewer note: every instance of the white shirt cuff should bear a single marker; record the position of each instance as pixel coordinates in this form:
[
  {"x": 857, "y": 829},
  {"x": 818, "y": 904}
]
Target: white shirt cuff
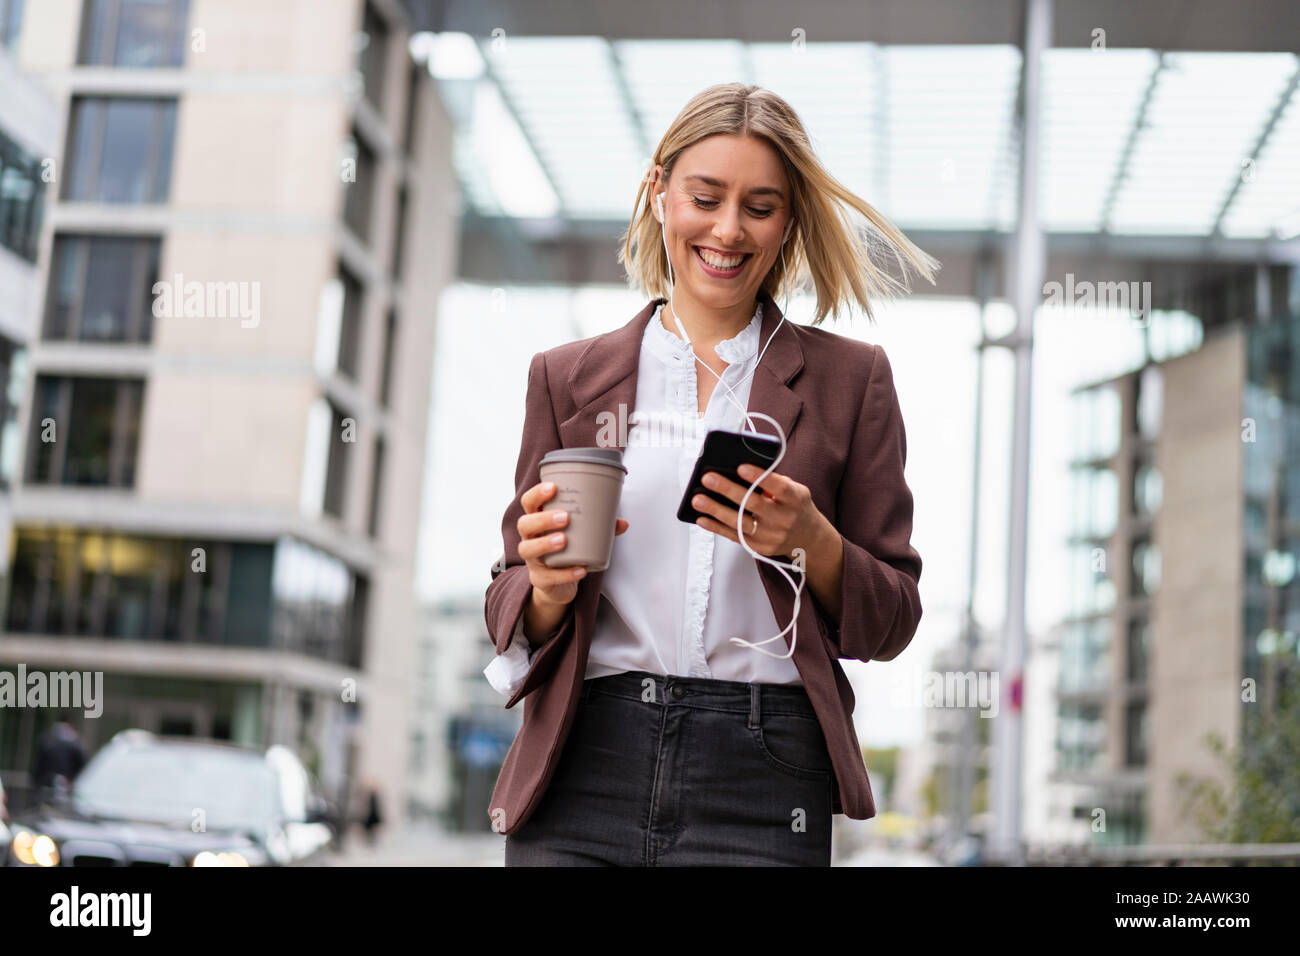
[{"x": 508, "y": 669}]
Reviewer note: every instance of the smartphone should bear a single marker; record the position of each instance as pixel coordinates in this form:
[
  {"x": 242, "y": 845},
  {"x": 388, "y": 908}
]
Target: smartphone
[{"x": 724, "y": 452}]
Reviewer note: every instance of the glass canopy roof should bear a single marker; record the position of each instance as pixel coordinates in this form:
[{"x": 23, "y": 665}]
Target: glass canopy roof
[{"x": 1134, "y": 142}]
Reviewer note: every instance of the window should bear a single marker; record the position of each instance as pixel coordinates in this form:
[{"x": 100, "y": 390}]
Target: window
[
  {"x": 376, "y": 487},
  {"x": 1147, "y": 490},
  {"x": 386, "y": 374},
  {"x": 22, "y": 198},
  {"x": 74, "y": 582},
  {"x": 92, "y": 433},
  {"x": 247, "y": 594},
  {"x": 349, "y": 325},
  {"x": 318, "y": 604},
  {"x": 13, "y": 382},
  {"x": 1150, "y": 399},
  {"x": 134, "y": 33},
  {"x": 1085, "y": 656},
  {"x": 373, "y": 45},
  {"x": 11, "y": 22},
  {"x": 1080, "y": 737},
  {"x": 101, "y": 289},
  {"x": 1096, "y": 501},
  {"x": 1139, "y": 650},
  {"x": 342, "y": 437},
  {"x": 1146, "y": 568},
  {"x": 120, "y": 149},
  {"x": 1135, "y": 734},
  {"x": 412, "y": 103},
  {"x": 399, "y": 232},
  {"x": 359, "y": 195},
  {"x": 1092, "y": 588},
  {"x": 1096, "y": 423}
]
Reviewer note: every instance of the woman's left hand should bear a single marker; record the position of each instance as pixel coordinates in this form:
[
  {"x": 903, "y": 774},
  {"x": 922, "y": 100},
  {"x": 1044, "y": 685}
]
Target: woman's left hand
[{"x": 787, "y": 517}]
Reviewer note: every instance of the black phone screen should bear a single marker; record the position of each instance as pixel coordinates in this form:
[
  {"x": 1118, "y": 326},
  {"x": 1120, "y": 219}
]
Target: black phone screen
[{"x": 724, "y": 452}]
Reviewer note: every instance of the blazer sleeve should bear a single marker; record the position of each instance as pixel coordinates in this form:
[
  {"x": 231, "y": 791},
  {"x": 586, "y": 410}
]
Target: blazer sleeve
[
  {"x": 510, "y": 588},
  {"x": 880, "y": 603}
]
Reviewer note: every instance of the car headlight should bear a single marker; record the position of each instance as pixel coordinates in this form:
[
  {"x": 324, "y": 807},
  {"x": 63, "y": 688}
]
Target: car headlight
[
  {"x": 35, "y": 849},
  {"x": 223, "y": 858}
]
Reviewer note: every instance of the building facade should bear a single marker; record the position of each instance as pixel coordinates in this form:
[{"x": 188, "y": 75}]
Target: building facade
[
  {"x": 1186, "y": 604},
  {"x": 227, "y": 407}
]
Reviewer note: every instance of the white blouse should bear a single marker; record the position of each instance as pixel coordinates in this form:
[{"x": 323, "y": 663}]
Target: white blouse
[{"x": 674, "y": 593}]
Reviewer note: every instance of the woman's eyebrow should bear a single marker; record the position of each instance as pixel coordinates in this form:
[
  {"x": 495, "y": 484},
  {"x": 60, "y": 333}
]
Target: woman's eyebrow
[{"x": 757, "y": 190}]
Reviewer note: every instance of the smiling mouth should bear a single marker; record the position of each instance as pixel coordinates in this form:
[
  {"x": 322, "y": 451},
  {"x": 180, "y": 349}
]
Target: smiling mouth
[{"x": 718, "y": 263}]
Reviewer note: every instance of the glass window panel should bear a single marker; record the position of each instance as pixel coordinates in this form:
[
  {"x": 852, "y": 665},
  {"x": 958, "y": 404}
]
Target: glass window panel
[
  {"x": 83, "y": 156},
  {"x": 136, "y": 34},
  {"x": 359, "y": 196},
  {"x": 120, "y": 149},
  {"x": 350, "y": 325},
  {"x": 165, "y": 118},
  {"x": 386, "y": 374},
  {"x": 373, "y": 43},
  {"x": 65, "y": 292},
  {"x": 124, "y": 169},
  {"x": 145, "y": 36},
  {"x": 248, "y": 612},
  {"x": 100, "y": 288},
  {"x": 107, "y": 295},
  {"x": 1150, "y": 401},
  {"x": 89, "y": 434},
  {"x": 11, "y": 21}
]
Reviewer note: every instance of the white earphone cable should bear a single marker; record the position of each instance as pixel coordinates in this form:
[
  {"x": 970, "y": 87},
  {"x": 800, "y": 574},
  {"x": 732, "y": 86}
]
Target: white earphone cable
[{"x": 781, "y": 566}]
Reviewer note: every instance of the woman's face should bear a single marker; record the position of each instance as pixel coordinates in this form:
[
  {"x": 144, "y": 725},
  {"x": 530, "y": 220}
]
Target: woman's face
[{"x": 728, "y": 199}]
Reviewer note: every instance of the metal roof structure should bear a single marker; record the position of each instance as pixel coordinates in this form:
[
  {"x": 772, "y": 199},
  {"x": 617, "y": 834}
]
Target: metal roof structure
[{"x": 1181, "y": 150}]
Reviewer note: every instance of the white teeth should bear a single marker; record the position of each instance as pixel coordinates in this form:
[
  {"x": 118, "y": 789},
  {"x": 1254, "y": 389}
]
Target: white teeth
[{"x": 719, "y": 262}]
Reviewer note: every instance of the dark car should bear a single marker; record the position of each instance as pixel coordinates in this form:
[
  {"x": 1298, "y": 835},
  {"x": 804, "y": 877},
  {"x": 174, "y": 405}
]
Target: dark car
[{"x": 146, "y": 800}]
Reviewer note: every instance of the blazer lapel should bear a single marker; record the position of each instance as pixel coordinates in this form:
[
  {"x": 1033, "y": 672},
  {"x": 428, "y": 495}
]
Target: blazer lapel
[
  {"x": 603, "y": 384},
  {"x": 603, "y": 381}
]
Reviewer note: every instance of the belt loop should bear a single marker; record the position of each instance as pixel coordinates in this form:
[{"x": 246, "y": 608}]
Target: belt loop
[{"x": 755, "y": 711}]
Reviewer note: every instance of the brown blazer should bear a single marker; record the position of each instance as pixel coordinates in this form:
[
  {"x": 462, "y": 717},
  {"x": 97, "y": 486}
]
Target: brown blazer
[{"x": 835, "y": 399}]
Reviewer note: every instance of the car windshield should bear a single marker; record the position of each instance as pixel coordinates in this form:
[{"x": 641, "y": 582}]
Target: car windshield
[{"x": 171, "y": 783}]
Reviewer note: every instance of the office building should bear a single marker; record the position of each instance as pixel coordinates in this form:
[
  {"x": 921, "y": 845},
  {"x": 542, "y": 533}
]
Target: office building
[{"x": 227, "y": 407}]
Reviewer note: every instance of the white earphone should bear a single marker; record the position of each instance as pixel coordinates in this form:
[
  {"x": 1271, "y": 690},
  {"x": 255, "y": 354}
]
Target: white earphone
[{"x": 749, "y": 416}]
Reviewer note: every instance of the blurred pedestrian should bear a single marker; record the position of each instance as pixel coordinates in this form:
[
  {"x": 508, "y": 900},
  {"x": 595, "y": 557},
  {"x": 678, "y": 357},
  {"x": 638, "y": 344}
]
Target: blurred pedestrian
[
  {"x": 60, "y": 755},
  {"x": 374, "y": 816}
]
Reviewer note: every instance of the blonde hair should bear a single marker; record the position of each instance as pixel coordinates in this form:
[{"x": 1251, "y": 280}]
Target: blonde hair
[{"x": 837, "y": 256}]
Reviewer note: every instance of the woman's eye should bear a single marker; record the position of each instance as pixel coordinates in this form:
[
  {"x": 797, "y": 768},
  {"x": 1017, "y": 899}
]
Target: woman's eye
[{"x": 709, "y": 203}]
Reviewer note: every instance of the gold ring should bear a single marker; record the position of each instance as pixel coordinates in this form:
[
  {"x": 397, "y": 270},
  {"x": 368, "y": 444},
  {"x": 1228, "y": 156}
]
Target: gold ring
[{"x": 755, "y": 528}]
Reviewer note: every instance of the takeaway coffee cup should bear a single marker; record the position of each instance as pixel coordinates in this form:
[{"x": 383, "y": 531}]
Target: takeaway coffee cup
[{"x": 588, "y": 485}]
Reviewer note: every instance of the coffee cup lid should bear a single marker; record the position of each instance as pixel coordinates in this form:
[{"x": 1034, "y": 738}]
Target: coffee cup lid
[{"x": 592, "y": 456}]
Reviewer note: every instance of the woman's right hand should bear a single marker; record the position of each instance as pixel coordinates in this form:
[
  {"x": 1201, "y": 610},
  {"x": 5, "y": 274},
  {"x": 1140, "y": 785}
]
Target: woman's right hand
[{"x": 541, "y": 533}]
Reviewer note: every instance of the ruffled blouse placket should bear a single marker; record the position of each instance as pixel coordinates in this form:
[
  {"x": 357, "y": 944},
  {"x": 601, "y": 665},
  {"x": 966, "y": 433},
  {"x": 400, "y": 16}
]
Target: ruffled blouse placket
[{"x": 683, "y": 398}]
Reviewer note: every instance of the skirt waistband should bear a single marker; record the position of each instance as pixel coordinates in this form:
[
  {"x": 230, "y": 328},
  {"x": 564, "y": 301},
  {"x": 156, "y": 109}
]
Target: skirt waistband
[{"x": 674, "y": 690}]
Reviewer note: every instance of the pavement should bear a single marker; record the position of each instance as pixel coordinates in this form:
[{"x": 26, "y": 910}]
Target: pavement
[
  {"x": 426, "y": 845},
  {"x": 420, "y": 845}
]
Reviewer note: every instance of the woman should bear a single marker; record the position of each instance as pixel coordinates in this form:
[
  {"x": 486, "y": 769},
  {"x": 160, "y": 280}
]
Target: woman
[{"x": 650, "y": 737}]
